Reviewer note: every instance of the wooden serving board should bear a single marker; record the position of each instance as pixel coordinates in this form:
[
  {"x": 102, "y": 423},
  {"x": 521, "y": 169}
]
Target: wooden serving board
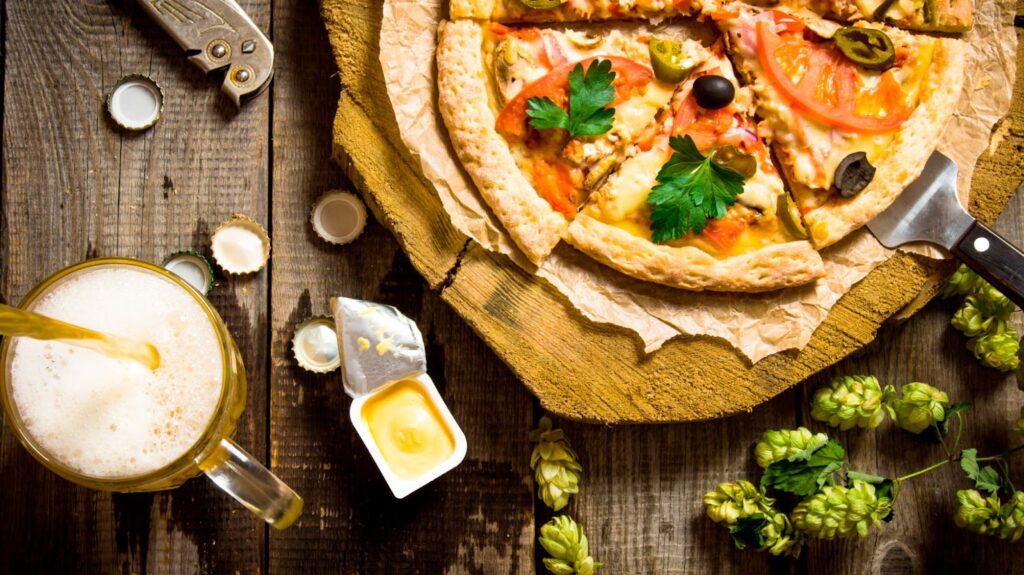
[{"x": 577, "y": 368}]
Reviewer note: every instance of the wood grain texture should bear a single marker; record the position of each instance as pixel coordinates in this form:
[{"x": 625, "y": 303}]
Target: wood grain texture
[
  {"x": 557, "y": 352},
  {"x": 75, "y": 187},
  {"x": 477, "y": 518}
]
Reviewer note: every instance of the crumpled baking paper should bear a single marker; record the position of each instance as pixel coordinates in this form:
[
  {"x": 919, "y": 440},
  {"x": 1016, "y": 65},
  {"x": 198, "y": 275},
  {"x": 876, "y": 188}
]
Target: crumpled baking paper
[{"x": 757, "y": 325}]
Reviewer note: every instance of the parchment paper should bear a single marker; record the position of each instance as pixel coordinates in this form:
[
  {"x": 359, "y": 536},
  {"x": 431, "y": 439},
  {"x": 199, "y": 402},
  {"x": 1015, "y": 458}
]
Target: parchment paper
[{"x": 757, "y": 325}]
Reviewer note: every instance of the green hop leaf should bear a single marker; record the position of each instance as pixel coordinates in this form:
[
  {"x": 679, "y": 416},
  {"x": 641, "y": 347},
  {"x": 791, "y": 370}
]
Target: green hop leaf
[
  {"x": 985, "y": 478},
  {"x": 838, "y": 511},
  {"x": 997, "y": 348},
  {"x": 805, "y": 472},
  {"x": 919, "y": 408},
  {"x": 962, "y": 282},
  {"x": 731, "y": 501},
  {"x": 566, "y": 543},
  {"x": 554, "y": 465},
  {"x": 776, "y": 445},
  {"x": 771, "y": 532},
  {"x": 849, "y": 401}
]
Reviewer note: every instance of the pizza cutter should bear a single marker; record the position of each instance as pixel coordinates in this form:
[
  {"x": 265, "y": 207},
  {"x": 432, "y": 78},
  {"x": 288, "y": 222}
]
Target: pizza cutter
[
  {"x": 929, "y": 210},
  {"x": 218, "y": 35}
]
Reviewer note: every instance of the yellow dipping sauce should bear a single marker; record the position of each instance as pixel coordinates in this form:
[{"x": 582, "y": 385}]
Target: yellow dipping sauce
[{"x": 407, "y": 428}]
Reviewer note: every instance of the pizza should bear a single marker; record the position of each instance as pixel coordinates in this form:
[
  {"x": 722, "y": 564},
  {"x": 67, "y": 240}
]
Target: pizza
[
  {"x": 534, "y": 178},
  {"x": 757, "y": 244},
  {"x": 623, "y": 128},
  {"x": 849, "y": 135}
]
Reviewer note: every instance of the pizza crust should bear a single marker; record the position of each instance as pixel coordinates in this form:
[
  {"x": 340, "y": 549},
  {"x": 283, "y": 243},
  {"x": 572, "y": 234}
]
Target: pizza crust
[
  {"x": 591, "y": 10},
  {"x": 912, "y": 146},
  {"x": 770, "y": 268},
  {"x": 534, "y": 225}
]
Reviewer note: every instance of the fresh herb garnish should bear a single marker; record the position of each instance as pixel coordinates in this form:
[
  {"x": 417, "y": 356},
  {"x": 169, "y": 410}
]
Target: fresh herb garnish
[
  {"x": 691, "y": 190},
  {"x": 589, "y": 93}
]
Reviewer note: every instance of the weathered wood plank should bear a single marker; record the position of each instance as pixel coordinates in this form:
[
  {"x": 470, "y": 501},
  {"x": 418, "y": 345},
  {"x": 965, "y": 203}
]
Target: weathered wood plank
[
  {"x": 76, "y": 187},
  {"x": 478, "y": 518}
]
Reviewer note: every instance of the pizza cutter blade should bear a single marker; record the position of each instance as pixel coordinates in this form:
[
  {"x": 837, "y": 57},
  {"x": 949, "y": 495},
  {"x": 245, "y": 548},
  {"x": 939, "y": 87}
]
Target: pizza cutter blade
[{"x": 929, "y": 211}]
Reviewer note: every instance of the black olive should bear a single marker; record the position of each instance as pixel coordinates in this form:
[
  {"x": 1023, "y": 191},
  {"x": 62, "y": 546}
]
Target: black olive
[
  {"x": 713, "y": 92},
  {"x": 853, "y": 174}
]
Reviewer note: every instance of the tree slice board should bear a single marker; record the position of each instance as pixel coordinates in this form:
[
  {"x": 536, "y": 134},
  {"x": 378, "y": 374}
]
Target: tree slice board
[{"x": 577, "y": 368}]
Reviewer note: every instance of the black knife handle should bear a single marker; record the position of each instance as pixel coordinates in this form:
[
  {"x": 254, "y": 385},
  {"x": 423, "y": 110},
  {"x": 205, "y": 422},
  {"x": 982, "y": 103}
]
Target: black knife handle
[{"x": 995, "y": 259}]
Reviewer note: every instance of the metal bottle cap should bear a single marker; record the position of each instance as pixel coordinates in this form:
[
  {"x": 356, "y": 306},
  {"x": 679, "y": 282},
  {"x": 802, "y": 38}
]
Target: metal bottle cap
[
  {"x": 192, "y": 267},
  {"x": 315, "y": 345},
  {"x": 136, "y": 102},
  {"x": 338, "y": 217},
  {"x": 240, "y": 245}
]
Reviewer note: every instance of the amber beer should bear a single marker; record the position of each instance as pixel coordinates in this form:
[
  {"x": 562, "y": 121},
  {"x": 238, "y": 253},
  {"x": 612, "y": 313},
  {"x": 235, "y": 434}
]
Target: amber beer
[{"x": 114, "y": 424}]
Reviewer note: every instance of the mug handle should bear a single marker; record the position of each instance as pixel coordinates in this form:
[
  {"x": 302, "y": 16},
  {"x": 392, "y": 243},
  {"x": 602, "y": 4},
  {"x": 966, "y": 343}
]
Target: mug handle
[{"x": 243, "y": 477}]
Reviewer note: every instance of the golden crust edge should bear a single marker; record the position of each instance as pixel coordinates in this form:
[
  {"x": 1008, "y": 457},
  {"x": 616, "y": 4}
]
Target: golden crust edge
[
  {"x": 770, "y": 268},
  {"x": 534, "y": 225},
  {"x": 912, "y": 146}
]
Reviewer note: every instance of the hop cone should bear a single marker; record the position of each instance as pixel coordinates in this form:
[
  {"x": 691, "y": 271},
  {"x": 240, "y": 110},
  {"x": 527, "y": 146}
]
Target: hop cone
[
  {"x": 730, "y": 501},
  {"x": 1020, "y": 420},
  {"x": 554, "y": 465},
  {"x": 849, "y": 401},
  {"x": 998, "y": 348},
  {"x": 566, "y": 543},
  {"x": 780, "y": 539},
  {"x": 962, "y": 282},
  {"x": 921, "y": 406},
  {"x": 1012, "y": 513},
  {"x": 971, "y": 320},
  {"x": 977, "y": 513},
  {"x": 838, "y": 511},
  {"x": 784, "y": 443},
  {"x": 992, "y": 302}
]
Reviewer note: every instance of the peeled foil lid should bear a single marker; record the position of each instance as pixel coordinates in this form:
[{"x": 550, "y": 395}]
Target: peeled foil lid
[{"x": 378, "y": 345}]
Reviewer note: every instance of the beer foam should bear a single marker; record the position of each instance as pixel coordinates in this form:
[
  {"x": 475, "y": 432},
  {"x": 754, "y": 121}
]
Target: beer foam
[{"x": 111, "y": 418}]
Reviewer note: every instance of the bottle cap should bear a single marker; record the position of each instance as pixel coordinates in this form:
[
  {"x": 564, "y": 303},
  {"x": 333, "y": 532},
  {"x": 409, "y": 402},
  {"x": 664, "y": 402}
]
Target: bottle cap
[
  {"x": 338, "y": 217},
  {"x": 240, "y": 245},
  {"x": 192, "y": 267},
  {"x": 135, "y": 102},
  {"x": 315, "y": 345}
]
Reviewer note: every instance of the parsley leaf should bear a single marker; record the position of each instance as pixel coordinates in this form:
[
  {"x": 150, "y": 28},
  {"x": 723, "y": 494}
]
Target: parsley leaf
[
  {"x": 940, "y": 429},
  {"x": 985, "y": 478},
  {"x": 691, "y": 190},
  {"x": 589, "y": 93},
  {"x": 746, "y": 532},
  {"x": 804, "y": 473}
]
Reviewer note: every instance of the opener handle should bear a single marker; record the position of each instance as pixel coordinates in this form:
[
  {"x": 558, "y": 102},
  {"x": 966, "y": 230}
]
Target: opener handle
[
  {"x": 218, "y": 34},
  {"x": 995, "y": 259}
]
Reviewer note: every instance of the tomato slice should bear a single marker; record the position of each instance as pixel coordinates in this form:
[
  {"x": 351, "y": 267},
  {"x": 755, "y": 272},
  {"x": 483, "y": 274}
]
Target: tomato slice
[
  {"x": 827, "y": 89},
  {"x": 725, "y": 231},
  {"x": 629, "y": 76},
  {"x": 553, "y": 181}
]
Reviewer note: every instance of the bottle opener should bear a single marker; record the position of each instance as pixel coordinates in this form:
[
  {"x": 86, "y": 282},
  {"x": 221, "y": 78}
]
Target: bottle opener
[{"x": 217, "y": 35}]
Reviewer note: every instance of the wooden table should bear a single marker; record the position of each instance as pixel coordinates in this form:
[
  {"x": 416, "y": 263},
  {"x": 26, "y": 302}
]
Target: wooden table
[{"x": 74, "y": 187}]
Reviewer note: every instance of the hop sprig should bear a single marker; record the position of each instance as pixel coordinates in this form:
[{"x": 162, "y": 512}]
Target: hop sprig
[
  {"x": 554, "y": 465},
  {"x": 920, "y": 407},
  {"x": 989, "y": 516},
  {"x": 752, "y": 519},
  {"x": 566, "y": 543},
  {"x": 776, "y": 445},
  {"x": 963, "y": 282},
  {"x": 838, "y": 511},
  {"x": 971, "y": 320},
  {"x": 998, "y": 347},
  {"x": 849, "y": 401}
]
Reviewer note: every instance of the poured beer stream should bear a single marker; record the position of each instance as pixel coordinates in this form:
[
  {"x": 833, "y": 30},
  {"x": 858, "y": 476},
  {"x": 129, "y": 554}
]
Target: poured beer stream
[{"x": 19, "y": 322}]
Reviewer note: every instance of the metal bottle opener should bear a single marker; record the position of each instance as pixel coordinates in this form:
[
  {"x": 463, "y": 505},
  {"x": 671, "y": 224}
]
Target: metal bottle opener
[{"x": 218, "y": 34}]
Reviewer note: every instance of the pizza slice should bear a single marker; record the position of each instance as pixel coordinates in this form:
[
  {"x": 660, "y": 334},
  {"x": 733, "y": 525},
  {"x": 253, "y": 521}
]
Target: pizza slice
[
  {"x": 568, "y": 10},
  {"x": 540, "y": 117},
  {"x": 950, "y": 16},
  {"x": 852, "y": 112},
  {"x": 700, "y": 206}
]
